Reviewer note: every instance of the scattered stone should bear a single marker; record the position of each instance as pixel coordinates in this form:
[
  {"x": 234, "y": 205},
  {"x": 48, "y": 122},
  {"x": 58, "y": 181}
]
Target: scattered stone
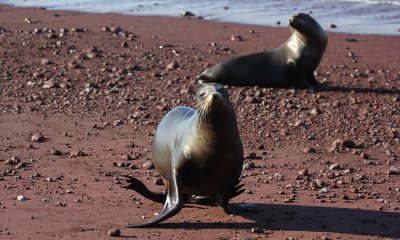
[
  {"x": 50, "y": 84},
  {"x": 237, "y": 38},
  {"x": 315, "y": 111},
  {"x": 309, "y": 150},
  {"x": 37, "y": 137},
  {"x": 22, "y": 198},
  {"x": 173, "y": 65},
  {"x": 348, "y": 143},
  {"x": 248, "y": 166},
  {"x": 148, "y": 165},
  {"x": 335, "y": 166},
  {"x": 158, "y": 181},
  {"x": 78, "y": 153},
  {"x": 252, "y": 155},
  {"x": 20, "y": 165},
  {"x": 115, "y": 232},
  {"x": 118, "y": 122},
  {"x": 393, "y": 170},
  {"x": 46, "y": 61},
  {"x": 256, "y": 230},
  {"x": 333, "y": 25},
  {"x": 303, "y": 172},
  {"x": 364, "y": 155},
  {"x": 188, "y": 14},
  {"x": 56, "y": 152},
  {"x": 351, "y": 40}
]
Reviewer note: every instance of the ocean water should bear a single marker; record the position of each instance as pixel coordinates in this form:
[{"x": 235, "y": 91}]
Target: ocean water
[{"x": 352, "y": 16}]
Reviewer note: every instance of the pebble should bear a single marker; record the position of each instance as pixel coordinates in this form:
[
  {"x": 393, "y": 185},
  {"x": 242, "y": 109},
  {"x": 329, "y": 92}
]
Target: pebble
[
  {"x": 148, "y": 165},
  {"x": 309, "y": 150},
  {"x": 46, "y": 61},
  {"x": 173, "y": 65},
  {"x": 188, "y": 14},
  {"x": 315, "y": 111},
  {"x": 393, "y": 170},
  {"x": 78, "y": 153},
  {"x": 115, "y": 232},
  {"x": 158, "y": 181},
  {"x": 335, "y": 166},
  {"x": 248, "y": 166},
  {"x": 22, "y": 198},
  {"x": 56, "y": 152},
  {"x": 37, "y": 137},
  {"x": 348, "y": 143},
  {"x": 303, "y": 172}
]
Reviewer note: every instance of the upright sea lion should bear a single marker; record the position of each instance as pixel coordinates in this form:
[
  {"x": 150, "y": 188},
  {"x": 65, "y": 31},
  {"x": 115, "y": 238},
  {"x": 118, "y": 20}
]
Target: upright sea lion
[
  {"x": 290, "y": 65},
  {"x": 197, "y": 152}
]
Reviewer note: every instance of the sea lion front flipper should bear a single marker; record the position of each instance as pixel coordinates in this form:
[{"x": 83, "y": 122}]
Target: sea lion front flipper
[
  {"x": 139, "y": 187},
  {"x": 172, "y": 206}
]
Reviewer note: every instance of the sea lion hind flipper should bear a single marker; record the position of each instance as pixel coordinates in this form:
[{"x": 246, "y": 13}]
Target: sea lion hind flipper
[
  {"x": 222, "y": 199},
  {"x": 138, "y": 186},
  {"x": 172, "y": 206}
]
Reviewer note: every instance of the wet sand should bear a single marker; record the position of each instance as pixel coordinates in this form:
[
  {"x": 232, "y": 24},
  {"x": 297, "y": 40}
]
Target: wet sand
[{"x": 96, "y": 93}]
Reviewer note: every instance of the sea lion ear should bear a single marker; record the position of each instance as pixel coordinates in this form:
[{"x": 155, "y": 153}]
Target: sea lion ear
[{"x": 291, "y": 63}]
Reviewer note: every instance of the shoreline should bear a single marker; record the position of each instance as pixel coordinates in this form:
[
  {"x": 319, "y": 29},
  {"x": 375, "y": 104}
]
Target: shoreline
[{"x": 274, "y": 25}]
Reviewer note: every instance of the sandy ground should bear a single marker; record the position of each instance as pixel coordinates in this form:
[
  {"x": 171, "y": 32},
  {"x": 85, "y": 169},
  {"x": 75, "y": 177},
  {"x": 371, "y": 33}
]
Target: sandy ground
[{"x": 326, "y": 162}]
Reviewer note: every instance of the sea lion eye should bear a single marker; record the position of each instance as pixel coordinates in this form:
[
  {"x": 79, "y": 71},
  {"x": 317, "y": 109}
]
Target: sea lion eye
[{"x": 202, "y": 94}]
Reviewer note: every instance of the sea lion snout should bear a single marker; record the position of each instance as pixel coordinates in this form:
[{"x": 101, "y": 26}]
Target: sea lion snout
[{"x": 210, "y": 92}]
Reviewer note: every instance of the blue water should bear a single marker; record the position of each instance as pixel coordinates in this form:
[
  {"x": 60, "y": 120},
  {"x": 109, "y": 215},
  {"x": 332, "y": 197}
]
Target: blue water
[{"x": 353, "y": 16}]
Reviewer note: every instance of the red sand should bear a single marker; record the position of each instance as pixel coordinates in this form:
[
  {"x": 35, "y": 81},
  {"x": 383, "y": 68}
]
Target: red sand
[{"x": 74, "y": 88}]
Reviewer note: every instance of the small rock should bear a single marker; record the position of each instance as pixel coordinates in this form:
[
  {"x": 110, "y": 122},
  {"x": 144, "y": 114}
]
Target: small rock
[
  {"x": 394, "y": 170},
  {"x": 20, "y": 165},
  {"x": 46, "y": 61},
  {"x": 50, "y": 84},
  {"x": 333, "y": 25},
  {"x": 309, "y": 150},
  {"x": 252, "y": 155},
  {"x": 148, "y": 165},
  {"x": 22, "y": 198},
  {"x": 78, "y": 153},
  {"x": 315, "y": 111},
  {"x": 303, "y": 172},
  {"x": 236, "y": 38},
  {"x": 173, "y": 65},
  {"x": 364, "y": 155},
  {"x": 348, "y": 143},
  {"x": 115, "y": 232},
  {"x": 158, "y": 181},
  {"x": 188, "y": 14},
  {"x": 118, "y": 122},
  {"x": 248, "y": 166},
  {"x": 56, "y": 152},
  {"x": 37, "y": 137},
  {"x": 256, "y": 230},
  {"x": 335, "y": 166}
]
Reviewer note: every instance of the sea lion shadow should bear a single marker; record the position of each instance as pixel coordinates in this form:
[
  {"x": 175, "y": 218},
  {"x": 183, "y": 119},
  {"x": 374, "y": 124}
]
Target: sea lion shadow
[
  {"x": 378, "y": 90},
  {"x": 291, "y": 217}
]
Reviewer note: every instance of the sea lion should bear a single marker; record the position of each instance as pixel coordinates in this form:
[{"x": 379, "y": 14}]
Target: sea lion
[
  {"x": 290, "y": 65},
  {"x": 197, "y": 152}
]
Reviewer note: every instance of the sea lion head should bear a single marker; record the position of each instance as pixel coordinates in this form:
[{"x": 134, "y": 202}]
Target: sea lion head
[
  {"x": 308, "y": 28},
  {"x": 213, "y": 102}
]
